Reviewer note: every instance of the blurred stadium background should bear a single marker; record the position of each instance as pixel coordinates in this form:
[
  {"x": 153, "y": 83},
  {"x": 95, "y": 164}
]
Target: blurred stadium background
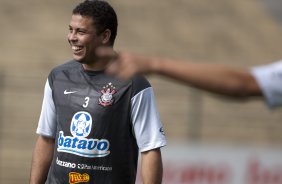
[{"x": 239, "y": 33}]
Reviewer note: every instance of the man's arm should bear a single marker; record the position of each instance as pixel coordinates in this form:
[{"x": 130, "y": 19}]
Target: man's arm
[
  {"x": 41, "y": 159},
  {"x": 151, "y": 167},
  {"x": 218, "y": 79}
]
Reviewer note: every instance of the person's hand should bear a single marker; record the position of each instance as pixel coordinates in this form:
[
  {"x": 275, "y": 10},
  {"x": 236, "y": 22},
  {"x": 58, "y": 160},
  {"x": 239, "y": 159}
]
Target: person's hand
[{"x": 125, "y": 65}]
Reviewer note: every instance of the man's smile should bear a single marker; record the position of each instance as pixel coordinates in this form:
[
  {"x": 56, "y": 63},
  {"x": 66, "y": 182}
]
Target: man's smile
[{"x": 76, "y": 48}]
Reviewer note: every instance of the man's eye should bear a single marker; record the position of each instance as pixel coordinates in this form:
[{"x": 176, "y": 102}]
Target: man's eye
[{"x": 81, "y": 32}]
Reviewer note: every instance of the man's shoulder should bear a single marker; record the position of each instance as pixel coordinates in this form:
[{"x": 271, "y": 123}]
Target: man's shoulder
[
  {"x": 140, "y": 83},
  {"x": 69, "y": 65}
]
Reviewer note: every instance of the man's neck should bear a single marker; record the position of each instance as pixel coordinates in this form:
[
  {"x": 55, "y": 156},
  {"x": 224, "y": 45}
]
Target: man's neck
[{"x": 94, "y": 67}]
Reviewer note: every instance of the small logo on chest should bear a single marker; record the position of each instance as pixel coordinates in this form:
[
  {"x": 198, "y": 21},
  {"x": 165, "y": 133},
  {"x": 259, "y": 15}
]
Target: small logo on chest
[
  {"x": 69, "y": 92},
  {"x": 107, "y": 98}
]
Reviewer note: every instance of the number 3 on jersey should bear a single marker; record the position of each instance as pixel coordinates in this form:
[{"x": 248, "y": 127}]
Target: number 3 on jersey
[{"x": 86, "y": 102}]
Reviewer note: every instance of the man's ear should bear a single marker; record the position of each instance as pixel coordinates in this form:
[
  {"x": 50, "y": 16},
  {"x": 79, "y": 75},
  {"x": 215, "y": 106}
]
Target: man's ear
[{"x": 106, "y": 36}]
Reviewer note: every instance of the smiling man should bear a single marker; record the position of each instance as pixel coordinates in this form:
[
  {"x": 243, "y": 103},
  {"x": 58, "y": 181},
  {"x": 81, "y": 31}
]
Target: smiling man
[{"x": 92, "y": 126}]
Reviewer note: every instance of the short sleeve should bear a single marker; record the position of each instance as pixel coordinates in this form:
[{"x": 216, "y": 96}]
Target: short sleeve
[
  {"x": 47, "y": 120},
  {"x": 269, "y": 78},
  {"x": 147, "y": 126}
]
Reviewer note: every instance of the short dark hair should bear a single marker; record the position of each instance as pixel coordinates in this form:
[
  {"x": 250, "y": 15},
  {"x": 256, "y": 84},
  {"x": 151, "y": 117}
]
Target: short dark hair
[{"x": 103, "y": 14}]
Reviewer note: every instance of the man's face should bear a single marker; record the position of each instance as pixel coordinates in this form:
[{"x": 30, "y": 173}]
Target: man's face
[{"x": 83, "y": 39}]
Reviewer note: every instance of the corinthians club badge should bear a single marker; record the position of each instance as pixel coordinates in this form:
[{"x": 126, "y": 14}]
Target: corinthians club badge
[{"x": 106, "y": 98}]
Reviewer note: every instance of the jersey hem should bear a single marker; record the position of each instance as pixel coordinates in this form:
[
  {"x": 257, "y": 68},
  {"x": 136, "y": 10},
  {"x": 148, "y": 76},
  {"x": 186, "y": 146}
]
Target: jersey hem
[{"x": 152, "y": 146}]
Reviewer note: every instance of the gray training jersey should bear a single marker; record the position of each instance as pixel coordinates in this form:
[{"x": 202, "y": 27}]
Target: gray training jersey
[{"x": 99, "y": 125}]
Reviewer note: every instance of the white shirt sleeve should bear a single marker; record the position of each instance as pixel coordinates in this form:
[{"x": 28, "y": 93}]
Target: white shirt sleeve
[
  {"x": 47, "y": 121},
  {"x": 269, "y": 78},
  {"x": 146, "y": 122}
]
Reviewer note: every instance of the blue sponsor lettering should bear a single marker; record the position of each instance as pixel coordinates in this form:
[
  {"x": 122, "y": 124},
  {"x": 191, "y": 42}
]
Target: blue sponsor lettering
[{"x": 82, "y": 146}]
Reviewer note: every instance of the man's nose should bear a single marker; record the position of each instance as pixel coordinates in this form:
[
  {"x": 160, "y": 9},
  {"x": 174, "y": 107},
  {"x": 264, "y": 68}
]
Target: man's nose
[{"x": 72, "y": 36}]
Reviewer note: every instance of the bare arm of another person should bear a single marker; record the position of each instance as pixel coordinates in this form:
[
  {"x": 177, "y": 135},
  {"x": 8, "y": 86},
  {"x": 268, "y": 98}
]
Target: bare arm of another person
[
  {"x": 218, "y": 79},
  {"x": 151, "y": 167},
  {"x": 41, "y": 159},
  {"x": 210, "y": 77}
]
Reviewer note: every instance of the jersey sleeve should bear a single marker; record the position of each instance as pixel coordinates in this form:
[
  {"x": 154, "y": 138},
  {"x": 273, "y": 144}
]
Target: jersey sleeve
[
  {"x": 47, "y": 120},
  {"x": 146, "y": 122},
  {"x": 269, "y": 78}
]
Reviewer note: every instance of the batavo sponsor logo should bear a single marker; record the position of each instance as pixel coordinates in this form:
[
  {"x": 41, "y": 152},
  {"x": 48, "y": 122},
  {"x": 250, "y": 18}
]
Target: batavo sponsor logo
[
  {"x": 82, "y": 146},
  {"x": 75, "y": 177},
  {"x": 78, "y": 144}
]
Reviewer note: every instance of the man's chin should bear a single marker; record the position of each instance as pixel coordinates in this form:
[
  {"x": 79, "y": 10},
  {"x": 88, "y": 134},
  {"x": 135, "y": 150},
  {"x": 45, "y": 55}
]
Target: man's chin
[{"x": 78, "y": 59}]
